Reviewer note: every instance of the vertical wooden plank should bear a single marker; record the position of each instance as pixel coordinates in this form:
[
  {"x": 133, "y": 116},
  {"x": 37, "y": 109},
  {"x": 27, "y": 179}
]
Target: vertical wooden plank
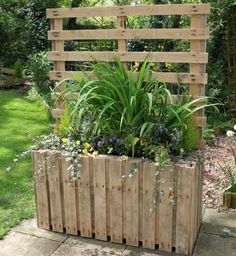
[
  {"x": 166, "y": 210},
  {"x": 122, "y": 44},
  {"x": 148, "y": 223},
  {"x": 198, "y": 21},
  {"x": 183, "y": 209},
  {"x": 54, "y": 179},
  {"x": 85, "y": 198},
  {"x": 194, "y": 207},
  {"x": 69, "y": 189},
  {"x": 41, "y": 189},
  {"x": 131, "y": 207},
  {"x": 58, "y": 45},
  {"x": 116, "y": 203},
  {"x": 99, "y": 181}
]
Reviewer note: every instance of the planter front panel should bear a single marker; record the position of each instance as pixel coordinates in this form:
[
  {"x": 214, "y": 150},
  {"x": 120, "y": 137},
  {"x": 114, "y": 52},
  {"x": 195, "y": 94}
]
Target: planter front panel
[{"x": 100, "y": 205}]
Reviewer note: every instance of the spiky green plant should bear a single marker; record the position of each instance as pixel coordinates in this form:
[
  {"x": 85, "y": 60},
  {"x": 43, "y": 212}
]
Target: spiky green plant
[{"x": 114, "y": 99}]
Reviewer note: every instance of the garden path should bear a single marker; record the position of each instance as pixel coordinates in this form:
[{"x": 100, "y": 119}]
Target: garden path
[{"x": 217, "y": 237}]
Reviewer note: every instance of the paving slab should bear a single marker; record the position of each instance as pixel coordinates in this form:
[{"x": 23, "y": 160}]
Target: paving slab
[
  {"x": 219, "y": 223},
  {"x": 134, "y": 251},
  {"x": 85, "y": 246},
  {"x": 29, "y": 227},
  {"x": 18, "y": 244},
  {"x": 214, "y": 245}
]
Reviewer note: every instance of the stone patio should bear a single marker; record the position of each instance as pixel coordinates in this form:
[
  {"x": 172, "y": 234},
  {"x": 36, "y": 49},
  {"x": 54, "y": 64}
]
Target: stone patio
[{"x": 217, "y": 237}]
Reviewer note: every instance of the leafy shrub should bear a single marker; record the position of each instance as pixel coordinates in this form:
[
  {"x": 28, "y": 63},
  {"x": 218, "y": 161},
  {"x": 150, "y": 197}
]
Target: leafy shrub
[
  {"x": 135, "y": 111},
  {"x": 18, "y": 69},
  {"x": 38, "y": 68}
]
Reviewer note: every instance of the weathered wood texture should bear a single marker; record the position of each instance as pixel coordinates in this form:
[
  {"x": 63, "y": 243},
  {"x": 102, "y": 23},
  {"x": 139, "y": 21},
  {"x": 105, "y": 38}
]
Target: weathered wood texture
[
  {"x": 197, "y": 34},
  {"x": 100, "y": 204}
]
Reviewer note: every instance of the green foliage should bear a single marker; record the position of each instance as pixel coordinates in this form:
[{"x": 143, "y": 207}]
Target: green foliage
[
  {"x": 21, "y": 119},
  {"x": 18, "y": 69},
  {"x": 190, "y": 141},
  {"x": 208, "y": 135},
  {"x": 114, "y": 102},
  {"x": 62, "y": 129},
  {"x": 38, "y": 68}
]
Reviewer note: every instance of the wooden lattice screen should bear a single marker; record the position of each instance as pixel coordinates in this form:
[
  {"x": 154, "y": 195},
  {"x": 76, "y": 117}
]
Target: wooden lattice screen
[{"x": 197, "y": 34}]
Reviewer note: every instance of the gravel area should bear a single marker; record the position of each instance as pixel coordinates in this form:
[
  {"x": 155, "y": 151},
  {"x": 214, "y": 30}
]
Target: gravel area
[{"x": 215, "y": 181}]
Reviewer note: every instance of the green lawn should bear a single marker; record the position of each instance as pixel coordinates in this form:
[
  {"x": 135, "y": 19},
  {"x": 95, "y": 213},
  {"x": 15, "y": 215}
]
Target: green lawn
[{"x": 21, "y": 118}]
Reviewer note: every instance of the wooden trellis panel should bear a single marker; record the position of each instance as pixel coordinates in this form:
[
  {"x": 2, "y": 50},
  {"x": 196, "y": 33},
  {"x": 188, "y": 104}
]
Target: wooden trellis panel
[
  {"x": 197, "y": 34},
  {"x": 108, "y": 208}
]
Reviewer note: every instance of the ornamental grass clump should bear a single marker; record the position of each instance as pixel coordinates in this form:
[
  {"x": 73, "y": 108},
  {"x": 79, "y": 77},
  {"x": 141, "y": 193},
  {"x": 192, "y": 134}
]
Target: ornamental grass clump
[{"x": 123, "y": 112}]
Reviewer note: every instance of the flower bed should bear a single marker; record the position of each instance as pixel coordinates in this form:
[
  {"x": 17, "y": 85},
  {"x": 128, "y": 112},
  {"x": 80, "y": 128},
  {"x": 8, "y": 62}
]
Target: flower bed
[{"x": 157, "y": 207}]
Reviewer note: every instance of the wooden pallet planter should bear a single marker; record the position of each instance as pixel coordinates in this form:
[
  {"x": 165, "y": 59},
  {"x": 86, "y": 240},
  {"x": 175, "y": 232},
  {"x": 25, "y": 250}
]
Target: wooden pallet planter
[
  {"x": 100, "y": 205},
  {"x": 197, "y": 35}
]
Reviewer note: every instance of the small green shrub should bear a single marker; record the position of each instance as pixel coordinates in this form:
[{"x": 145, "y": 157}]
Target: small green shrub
[{"x": 18, "y": 69}]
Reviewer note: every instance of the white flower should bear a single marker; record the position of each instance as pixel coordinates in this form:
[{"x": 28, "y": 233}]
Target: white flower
[
  {"x": 8, "y": 169},
  {"x": 235, "y": 127},
  {"x": 230, "y": 133},
  {"x": 130, "y": 175}
]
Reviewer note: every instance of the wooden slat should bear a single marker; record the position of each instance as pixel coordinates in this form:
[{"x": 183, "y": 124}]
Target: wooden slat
[
  {"x": 99, "y": 181},
  {"x": 116, "y": 34},
  {"x": 41, "y": 189},
  {"x": 7, "y": 71},
  {"x": 131, "y": 206},
  {"x": 55, "y": 193},
  {"x": 69, "y": 193},
  {"x": 57, "y": 113},
  {"x": 166, "y": 9},
  {"x": 168, "y": 77},
  {"x": 197, "y": 22},
  {"x": 85, "y": 198},
  {"x": 166, "y": 211},
  {"x": 194, "y": 207},
  {"x": 148, "y": 217},
  {"x": 116, "y": 216},
  {"x": 173, "y": 57},
  {"x": 183, "y": 209},
  {"x": 58, "y": 45}
]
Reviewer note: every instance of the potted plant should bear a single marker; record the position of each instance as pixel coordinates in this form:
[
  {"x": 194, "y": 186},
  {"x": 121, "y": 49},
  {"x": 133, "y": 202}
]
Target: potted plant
[{"x": 115, "y": 167}]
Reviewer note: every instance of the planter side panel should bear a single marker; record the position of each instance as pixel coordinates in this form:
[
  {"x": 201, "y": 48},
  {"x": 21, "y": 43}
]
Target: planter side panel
[{"x": 100, "y": 204}]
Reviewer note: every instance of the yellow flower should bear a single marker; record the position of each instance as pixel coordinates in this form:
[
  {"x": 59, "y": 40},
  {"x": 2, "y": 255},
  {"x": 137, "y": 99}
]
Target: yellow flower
[
  {"x": 78, "y": 142},
  {"x": 65, "y": 141},
  {"x": 95, "y": 153},
  {"x": 155, "y": 68},
  {"x": 87, "y": 146},
  {"x": 169, "y": 66},
  {"x": 145, "y": 46},
  {"x": 136, "y": 140},
  {"x": 142, "y": 143},
  {"x": 109, "y": 150},
  {"x": 85, "y": 151},
  {"x": 137, "y": 64}
]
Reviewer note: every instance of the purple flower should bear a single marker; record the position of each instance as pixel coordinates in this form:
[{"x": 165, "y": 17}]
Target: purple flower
[
  {"x": 94, "y": 144},
  {"x": 113, "y": 139},
  {"x": 100, "y": 143}
]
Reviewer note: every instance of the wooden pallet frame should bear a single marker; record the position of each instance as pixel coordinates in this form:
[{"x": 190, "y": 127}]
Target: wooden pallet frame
[
  {"x": 100, "y": 205},
  {"x": 197, "y": 34}
]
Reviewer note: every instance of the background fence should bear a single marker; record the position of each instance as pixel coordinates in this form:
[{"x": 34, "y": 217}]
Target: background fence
[{"x": 196, "y": 34}]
